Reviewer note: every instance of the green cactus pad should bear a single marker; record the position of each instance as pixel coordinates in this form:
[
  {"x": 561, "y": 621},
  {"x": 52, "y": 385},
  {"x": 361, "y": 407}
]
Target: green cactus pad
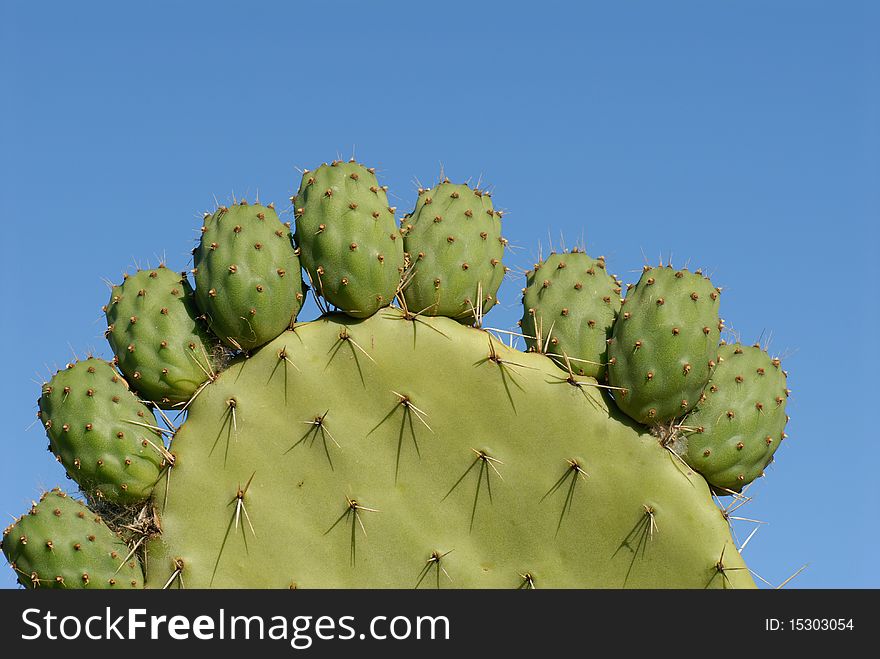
[
  {"x": 348, "y": 239},
  {"x": 420, "y": 453},
  {"x": 455, "y": 248},
  {"x": 740, "y": 420},
  {"x": 101, "y": 433},
  {"x": 160, "y": 343},
  {"x": 664, "y": 344},
  {"x": 248, "y": 277},
  {"x": 569, "y": 306},
  {"x": 62, "y": 544}
]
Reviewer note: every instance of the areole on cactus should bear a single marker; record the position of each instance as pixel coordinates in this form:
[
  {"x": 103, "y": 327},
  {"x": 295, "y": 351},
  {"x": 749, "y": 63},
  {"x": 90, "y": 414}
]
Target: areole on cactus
[{"x": 394, "y": 442}]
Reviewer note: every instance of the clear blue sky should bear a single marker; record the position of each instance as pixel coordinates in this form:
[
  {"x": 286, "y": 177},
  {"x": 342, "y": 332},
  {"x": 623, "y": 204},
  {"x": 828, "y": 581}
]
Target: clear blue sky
[{"x": 742, "y": 137}]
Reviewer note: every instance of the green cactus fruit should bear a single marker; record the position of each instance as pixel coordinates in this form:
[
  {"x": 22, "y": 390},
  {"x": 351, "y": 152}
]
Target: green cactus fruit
[
  {"x": 664, "y": 344},
  {"x": 246, "y": 259},
  {"x": 569, "y": 306},
  {"x": 327, "y": 459},
  {"x": 101, "y": 432},
  {"x": 740, "y": 420},
  {"x": 62, "y": 544},
  {"x": 348, "y": 239},
  {"x": 161, "y": 345},
  {"x": 455, "y": 248}
]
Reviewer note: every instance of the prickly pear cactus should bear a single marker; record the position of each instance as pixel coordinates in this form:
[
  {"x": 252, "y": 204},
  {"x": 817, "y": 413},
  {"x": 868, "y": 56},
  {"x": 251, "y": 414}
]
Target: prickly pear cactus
[
  {"x": 248, "y": 277},
  {"x": 101, "y": 432},
  {"x": 399, "y": 446},
  {"x": 60, "y": 543},
  {"x": 569, "y": 306},
  {"x": 351, "y": 245},
  {"x": 739, "y": 422},
  {"x": 324, "y": 461},
  {"x": 454, "y": 246},
  {"x": 665, "y": 345},
  {"x": 157, "y": 336}
]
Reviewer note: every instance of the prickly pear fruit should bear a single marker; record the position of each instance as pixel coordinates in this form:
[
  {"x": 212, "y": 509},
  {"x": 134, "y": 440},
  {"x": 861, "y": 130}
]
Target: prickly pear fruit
[
  {"x": 569, "y": 306},
  {"x": 62, "y": 544},
  {"x": 454, "y": 246},
  {"x": 348, "y": 239},
  {"x": 101, "y": 432},
  {"x": 248, "y": 278},
  {"x": 664, "y": 344},
  {"x": 740, "y": 421},
  {"x": 161, "y": 345}
]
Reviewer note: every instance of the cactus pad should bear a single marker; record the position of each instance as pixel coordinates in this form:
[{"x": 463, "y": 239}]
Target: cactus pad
[{"x": 326, "y": 460}]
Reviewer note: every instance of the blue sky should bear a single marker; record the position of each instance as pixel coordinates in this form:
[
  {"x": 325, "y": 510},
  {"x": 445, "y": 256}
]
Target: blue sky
[{"x": 741, "y": 137}]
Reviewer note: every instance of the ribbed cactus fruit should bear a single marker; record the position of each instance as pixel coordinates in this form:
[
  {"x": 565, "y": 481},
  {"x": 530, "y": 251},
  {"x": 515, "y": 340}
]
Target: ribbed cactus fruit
[
  {"x": 354, "y": 469},
  {"x": 455, "y": 249},
  {"x": 569, "y": 306},
  {"x": 348, "y": 238},
  {"x": 740, "y": 421},
  {"x": 101, "y": 432},
  {"x": 154, "y": 329},
  {"x": 60, "y": 543},
  {"x": 399, "y": 445},
  {"x": 664, "y": 344},
  {"x": 248, "y": 276}
]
